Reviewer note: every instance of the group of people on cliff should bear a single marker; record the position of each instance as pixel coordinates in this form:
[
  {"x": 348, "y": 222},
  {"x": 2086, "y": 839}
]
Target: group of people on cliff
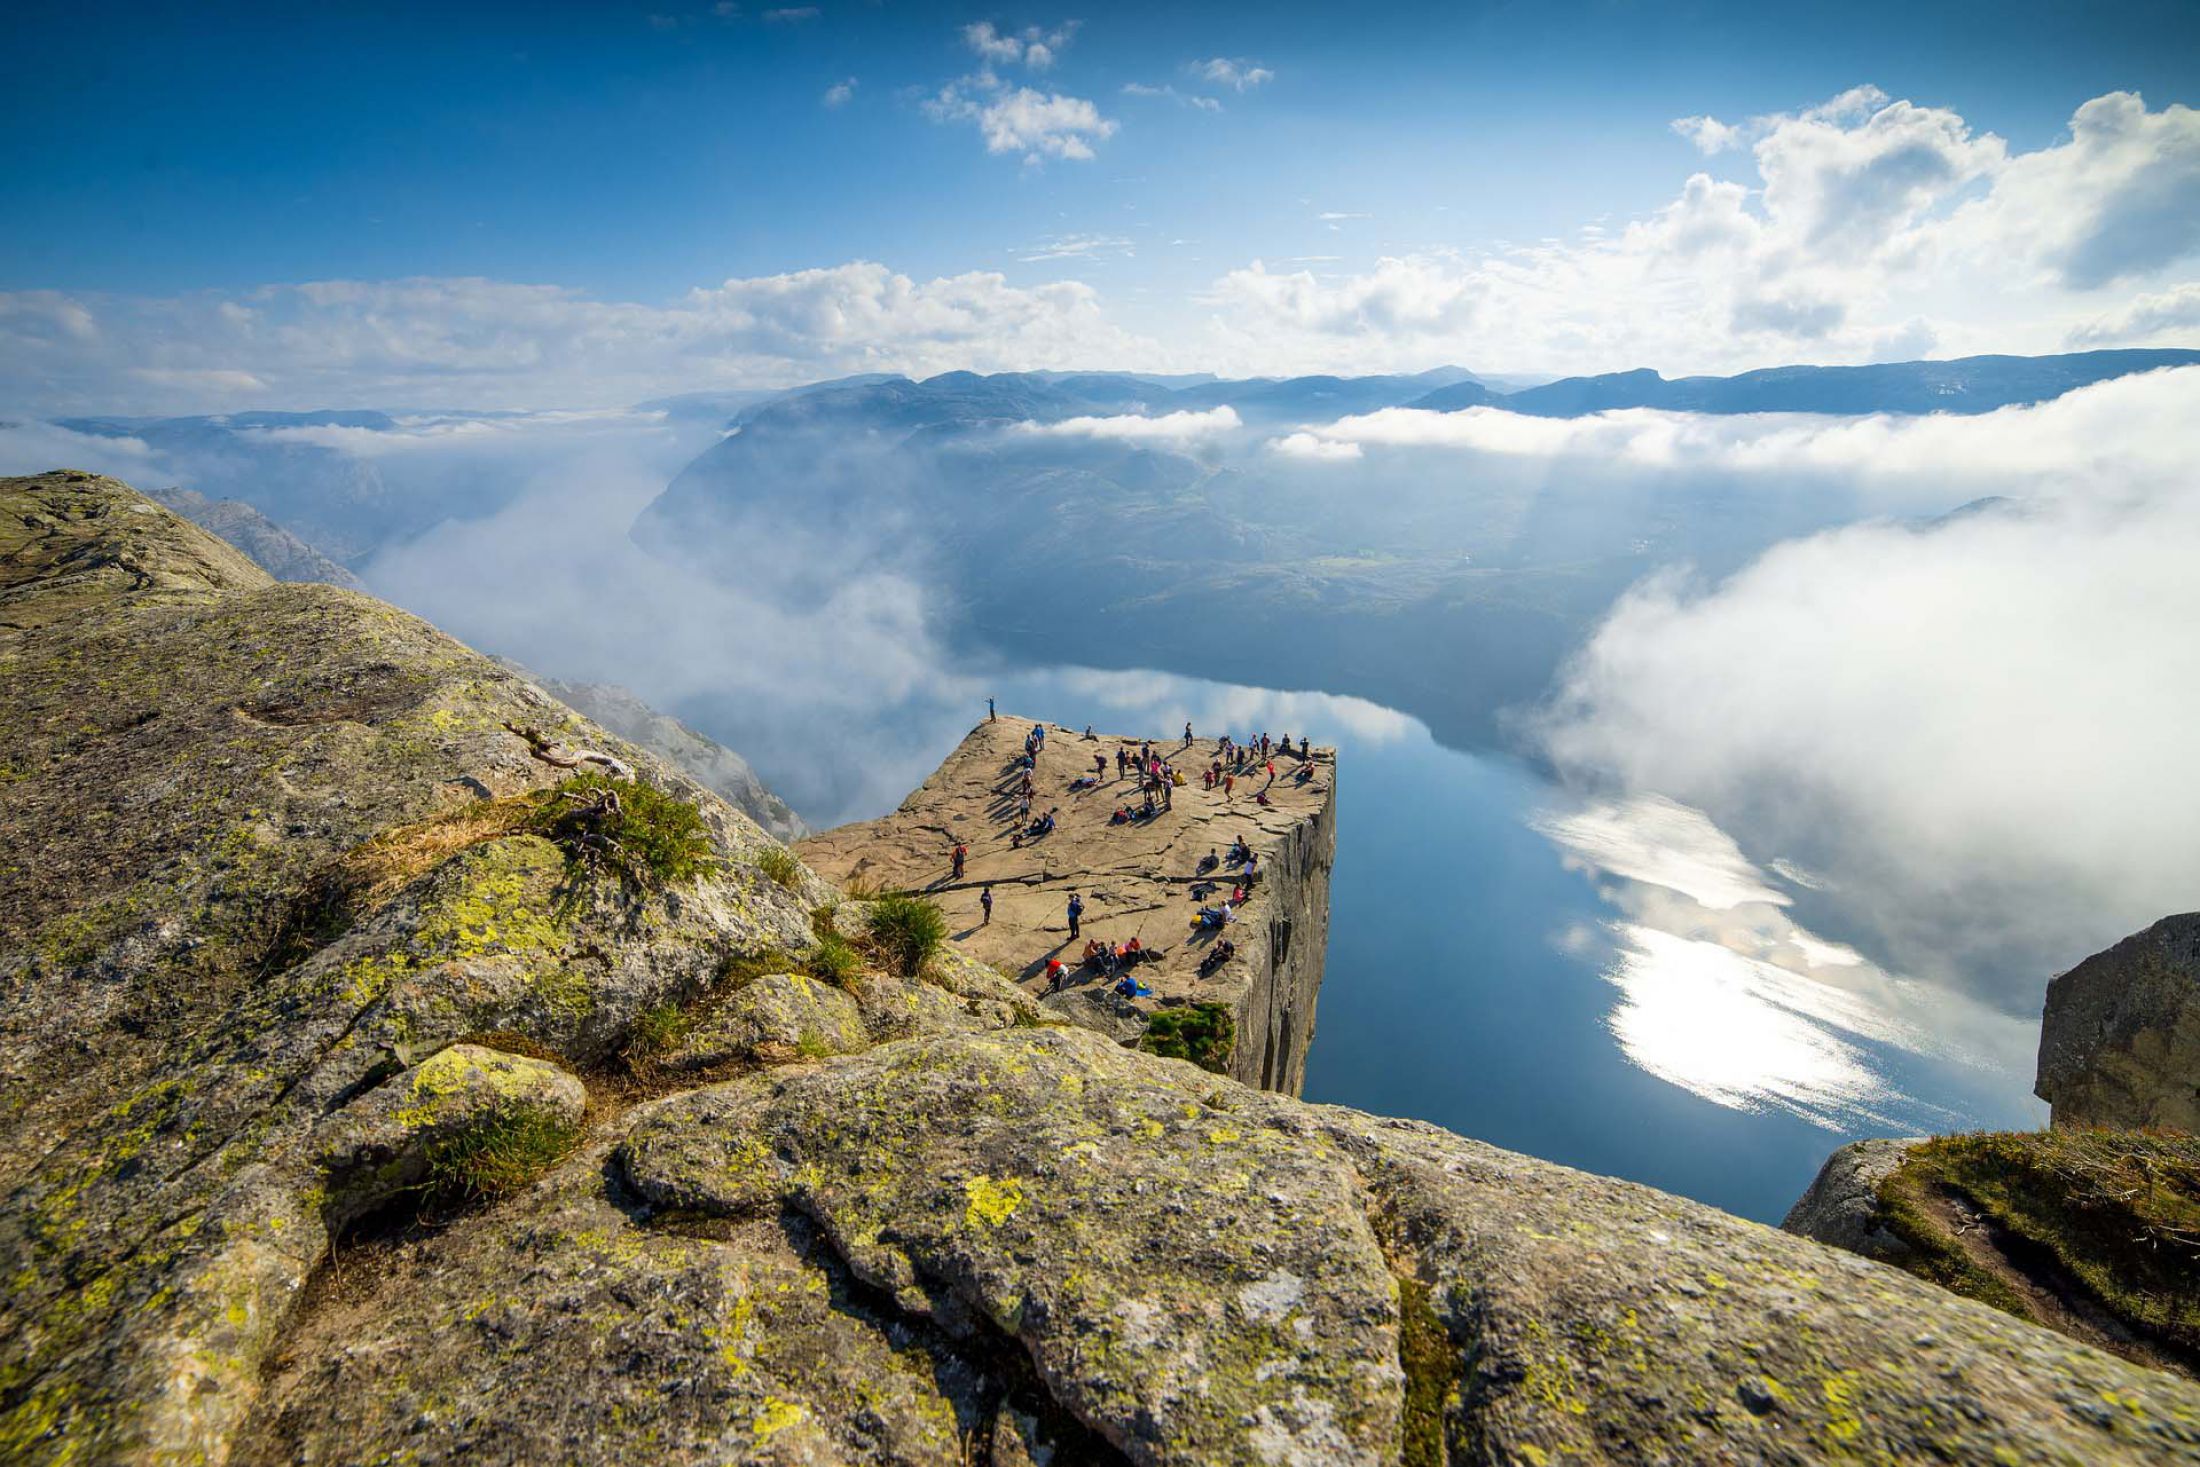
[{"x": 1158, "y": 777}]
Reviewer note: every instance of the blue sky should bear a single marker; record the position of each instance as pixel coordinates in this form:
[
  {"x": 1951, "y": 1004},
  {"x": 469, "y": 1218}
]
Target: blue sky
[{"x": 632, "y": 154}]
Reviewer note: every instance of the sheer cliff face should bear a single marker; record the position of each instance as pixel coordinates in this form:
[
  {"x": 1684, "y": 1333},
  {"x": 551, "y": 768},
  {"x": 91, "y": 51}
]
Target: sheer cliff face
[
  {"x": 377, "y": 1090},
  {"x": 1137, "y": 878},
  {"x": 2120, "y": 1039},
  {"x": 1276, "y": 1015}
]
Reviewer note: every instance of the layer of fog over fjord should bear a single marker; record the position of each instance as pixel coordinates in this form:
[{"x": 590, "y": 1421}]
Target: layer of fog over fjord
[{"x": 1937, "y": 754}]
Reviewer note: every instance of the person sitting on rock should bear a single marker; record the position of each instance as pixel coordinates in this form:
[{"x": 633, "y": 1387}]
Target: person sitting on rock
[
  {"x": 1056, "y": 972},
  {"x": 1209, "y": 861}
]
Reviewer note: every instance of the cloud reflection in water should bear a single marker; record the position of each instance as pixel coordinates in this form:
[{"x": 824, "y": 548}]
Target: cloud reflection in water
[{"x": 1723, "y": 994}]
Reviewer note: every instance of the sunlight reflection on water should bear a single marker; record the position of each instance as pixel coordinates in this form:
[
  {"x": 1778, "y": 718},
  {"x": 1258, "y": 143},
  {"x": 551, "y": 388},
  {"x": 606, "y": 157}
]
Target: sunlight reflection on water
[{"x": 1721, "y": 992}]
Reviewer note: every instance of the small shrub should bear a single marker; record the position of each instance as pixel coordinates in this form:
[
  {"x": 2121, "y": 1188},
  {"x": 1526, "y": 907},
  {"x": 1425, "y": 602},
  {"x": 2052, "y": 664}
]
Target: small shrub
[
  {"x": 499, "y": 1156},
  {"x": 657, "y": 1030},
  {"x": 1203, "y": 1033},
  {"x": 779, "y": 865},
  {"x": 636, "y": 830},
  {"x": 907, "y": 931},
  {"x": 834, "y": 961}
]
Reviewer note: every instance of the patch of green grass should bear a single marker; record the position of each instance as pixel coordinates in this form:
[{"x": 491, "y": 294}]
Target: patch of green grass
[
  {"x": 657, "y": 1030},
  {"x": 2117, "y": 1210},
  {"x": 499, "y": 1156},
  {"x": 1203, "y": 1033},
  {"x": 834, "y": 961},
  {"x": 907, "y": 931},
  {"x": 636, "y": 830},
  {"x": 779, "y": 865},
  {"x": 738, "y": 970}
]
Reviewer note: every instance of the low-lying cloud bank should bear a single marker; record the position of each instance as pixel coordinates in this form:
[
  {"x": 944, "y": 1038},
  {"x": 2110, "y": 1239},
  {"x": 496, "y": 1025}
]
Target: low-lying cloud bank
[
  {"x": 1976, "y": 730},
  {"x": 2120, "y": 436},
  {"x": 1169, "y": 430}
]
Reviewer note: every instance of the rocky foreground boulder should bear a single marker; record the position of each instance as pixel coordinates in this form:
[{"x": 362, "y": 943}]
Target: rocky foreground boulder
[
  {"x": 379, "y": 1086},
  {"x": 2091, "y": 1227},
  {"x": 2120, "y": 1038}
]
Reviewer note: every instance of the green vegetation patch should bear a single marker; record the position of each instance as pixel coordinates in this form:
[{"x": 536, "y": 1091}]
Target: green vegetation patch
[
  {"x": 833, "y": 961},
  {"x": 499, "y": 1156},
  {"x": 1431, "y": 1368},
  {"x": 2117, "y": 1210},
  {"x": 907, "y": 931},
  {"x": 635, "y": 830},
  {"x": 1203, "y": 1033},
  {"x": 656, "y": 1031},
  {"x": 779, "y": 865}
]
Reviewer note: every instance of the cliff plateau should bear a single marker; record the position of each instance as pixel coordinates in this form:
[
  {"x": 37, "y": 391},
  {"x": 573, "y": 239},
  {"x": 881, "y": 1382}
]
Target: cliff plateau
[{"x": 1138, "y": 878}]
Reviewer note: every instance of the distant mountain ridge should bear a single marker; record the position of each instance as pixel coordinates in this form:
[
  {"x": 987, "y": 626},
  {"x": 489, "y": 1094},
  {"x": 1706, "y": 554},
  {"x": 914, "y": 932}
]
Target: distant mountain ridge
[
  {"x": 1957, "y": 385},
  {"x": 273, "y": 548}
]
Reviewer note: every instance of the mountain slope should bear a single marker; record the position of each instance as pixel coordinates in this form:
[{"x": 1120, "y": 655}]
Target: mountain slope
[
  {"x": 703, "y": 759},
  {"x": 273, "y": 548}
]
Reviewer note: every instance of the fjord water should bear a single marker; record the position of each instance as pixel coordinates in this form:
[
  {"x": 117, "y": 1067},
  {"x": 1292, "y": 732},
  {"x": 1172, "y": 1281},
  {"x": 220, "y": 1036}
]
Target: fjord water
[{"x": 1484, "y": 976}]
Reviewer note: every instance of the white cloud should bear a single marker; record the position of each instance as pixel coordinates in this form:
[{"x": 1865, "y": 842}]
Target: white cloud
[
  {"x": 1037, "y": 125},
  {"x": 1187, "y": 99},
  {"x": 1033, "y": 46},
  {"x": 2082, "y": 437},
  {"x": 1178, "y": 428},
  {"x": 1315, "y": 448},
  {"x": 2171, "y": 317},
  {"x": 1708, "y": 133},
  {"x": 792, "y": 15},
  {"x": 201, "y": 379},
  {"x": 33, "y": 448},
  {"x": 482, "y": 343},
  {"x": 1236, "y": 73},
  {"x": 1078, "y": 247},
  {"x": 1973, "y": 730},
  {"x": 2119, "y": 200},
  {"x": 1872, "y": 227},
  {"x": 1414, "y": 296},
  {"x": 840, "y": 93},
  {"x": 1871, "y": 230}
]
